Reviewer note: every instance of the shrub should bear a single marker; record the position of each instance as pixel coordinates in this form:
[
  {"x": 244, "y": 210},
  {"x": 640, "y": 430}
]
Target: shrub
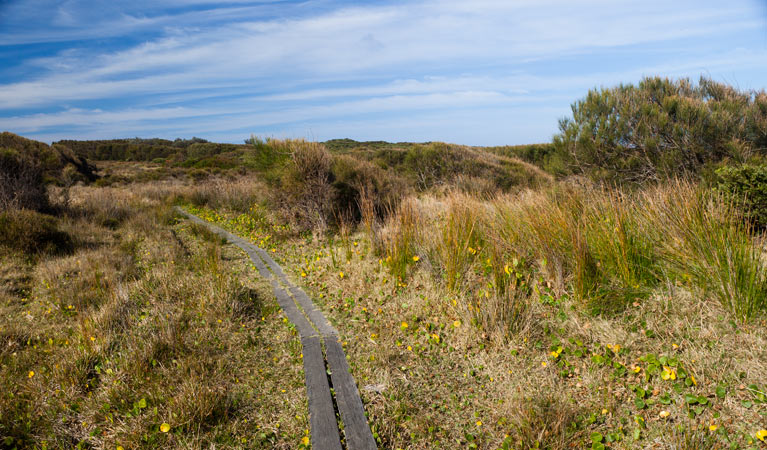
[
  {"x": 31, "y": 233},
  {"x": 356, "y": 182},
  {"x": 268, "y": 156},
  {"x": 661, "y": 129},
  {"x": 21, "y": 182},
  {"x": 746, "y": 186},
  {"x": 305, "y": 182}
]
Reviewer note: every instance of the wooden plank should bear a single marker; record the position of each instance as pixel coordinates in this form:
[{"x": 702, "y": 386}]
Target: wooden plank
[
  {"x": 319, "y": 321},
  {"x": 322, "y": 415},
  {"x": 272, "y": 265},
  {"x": 287, "y": 304},
  {"x": 356, "y": 429}
]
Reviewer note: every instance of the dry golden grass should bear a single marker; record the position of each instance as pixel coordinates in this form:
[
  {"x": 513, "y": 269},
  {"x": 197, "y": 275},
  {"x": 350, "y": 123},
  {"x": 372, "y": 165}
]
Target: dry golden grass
[
  {"x": 143, "y": 324},
  {"x": 476, "y": 333},
  {"x": 507, "y": 352}
]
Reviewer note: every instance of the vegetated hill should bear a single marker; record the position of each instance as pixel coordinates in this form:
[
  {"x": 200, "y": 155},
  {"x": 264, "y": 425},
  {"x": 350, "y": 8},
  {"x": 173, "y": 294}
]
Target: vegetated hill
[
  {"x": 27, "y": 167},
  {"x": 195, "y": 152},
  {"x": 58, "y": 162},
  {"x": 315, "y": 187},
  {"x": 350, "y": 145},
  {"x": 439, "y": 164}
]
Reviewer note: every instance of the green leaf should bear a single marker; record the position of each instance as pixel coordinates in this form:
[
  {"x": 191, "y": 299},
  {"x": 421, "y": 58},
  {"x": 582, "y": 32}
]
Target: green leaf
[
  {"x": 747, "y": 404},
  {"x": 142, "y": 403},
  {"x": 637, "y": 434},
  {"x": 639, "y": 403},
  {"x": 690, "y": 399},
  {"x": 597, "y": 437}
]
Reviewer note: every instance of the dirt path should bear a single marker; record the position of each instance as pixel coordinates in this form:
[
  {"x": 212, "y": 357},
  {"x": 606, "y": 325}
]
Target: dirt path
[{"x": 327, "y": 394}]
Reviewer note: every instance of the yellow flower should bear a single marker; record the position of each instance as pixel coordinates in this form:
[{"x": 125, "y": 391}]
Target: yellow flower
[
  {"x": 305, "y": 440},
  {"x": 604, "y": 411},
  {"x": 303, "y": 274},
  {"x": 479, "y": 423},
  {"x": 543, "y": 364},
  {"x": 120, "y": 447},
  {"x": 404, "y": 325},
  {"x": 341, "y": 274},
  {"x": 761, "y": 435},
  {"x": 457, "y": 323},
  {"x": 692, "y": 378},
  {"x": 31, "y": 373},
  {"x": 507, "y": 269},
  {"x": 416, "y": 258},
  {"x": 409, "y": 348},
  {"x": 664, "y": 414},
  {"x": 93, "y": 338},
  {"x": 165, "y": 427},
  {"x": 668, "y": 373},
  {"x": 554, "y": 354},
  {"x": 713, "y": 427},
  {"x": 637, "y": 369}
]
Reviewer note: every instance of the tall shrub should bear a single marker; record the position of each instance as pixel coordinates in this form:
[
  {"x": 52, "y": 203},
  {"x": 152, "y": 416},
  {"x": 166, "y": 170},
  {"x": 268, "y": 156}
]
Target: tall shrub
[{"x": 661, "y": 128}]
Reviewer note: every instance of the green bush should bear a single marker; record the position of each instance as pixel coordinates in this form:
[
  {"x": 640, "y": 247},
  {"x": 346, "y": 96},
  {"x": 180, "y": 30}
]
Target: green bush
[
  {"x": 21, "y": 182},
  {"x": 661, "y": 129},
  {"x": 32, "y": 233},
  {"x": 356, "y": 182},
  {"x": 746, "y": 186}
]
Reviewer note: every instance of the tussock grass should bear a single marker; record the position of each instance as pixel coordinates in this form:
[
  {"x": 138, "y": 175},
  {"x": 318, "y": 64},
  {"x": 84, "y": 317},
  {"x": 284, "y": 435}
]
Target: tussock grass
[
  {"x": 712, "y": 248},
  {"x": 545, "y": 421},
  {"x": 459, "y": 240},
  {"x": 515, "y": 351},
  {"x": 399, "y": 239},
  {"x": 32, "y": 233},
  {"x": 536, "y": 336}
]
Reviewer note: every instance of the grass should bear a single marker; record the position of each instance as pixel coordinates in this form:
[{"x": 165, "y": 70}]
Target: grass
[
  {"x": 143, "y": 323},
  {"x": 451, "y": 361},
  {"x": 563, "y": 317}
]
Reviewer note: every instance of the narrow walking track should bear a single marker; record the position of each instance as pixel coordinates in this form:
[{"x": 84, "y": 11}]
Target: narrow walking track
[{"x": 315, "y": 332}]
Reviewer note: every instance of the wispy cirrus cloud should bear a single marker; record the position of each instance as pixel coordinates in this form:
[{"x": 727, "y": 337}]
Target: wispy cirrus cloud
[{"x": 275, "y": 66}]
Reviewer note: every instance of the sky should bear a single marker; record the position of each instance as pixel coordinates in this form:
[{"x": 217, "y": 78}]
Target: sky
[{"x": 473, "y": 72}]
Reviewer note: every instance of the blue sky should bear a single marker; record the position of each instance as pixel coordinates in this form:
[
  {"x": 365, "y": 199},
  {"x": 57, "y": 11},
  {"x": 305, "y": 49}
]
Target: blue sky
[{"x": 478, "y": 72}]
